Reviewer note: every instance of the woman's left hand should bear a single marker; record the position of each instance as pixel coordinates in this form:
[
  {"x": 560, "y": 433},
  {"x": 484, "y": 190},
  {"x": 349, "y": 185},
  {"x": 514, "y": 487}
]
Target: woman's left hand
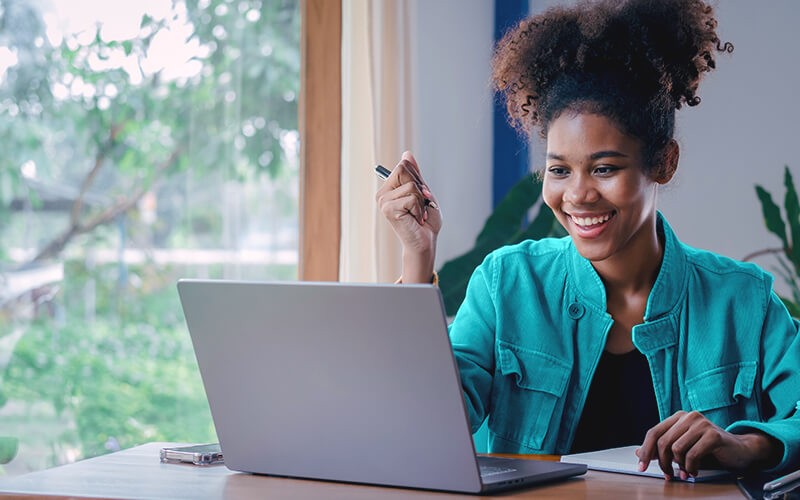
[{"x": 691, "y": 440}]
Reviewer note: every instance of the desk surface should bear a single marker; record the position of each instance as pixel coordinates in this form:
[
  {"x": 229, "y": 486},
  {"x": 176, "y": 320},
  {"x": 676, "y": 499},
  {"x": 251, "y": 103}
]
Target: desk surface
[{"x": 137, "y": 473}]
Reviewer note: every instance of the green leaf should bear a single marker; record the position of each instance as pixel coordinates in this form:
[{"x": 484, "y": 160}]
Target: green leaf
[
  {"x": 792, "y": 207},
  {"x": 794, "y": 308},
  {"x": 507, "y": 217},
  {"x": 541, "y": 226},
  {"x": 772, "y": 215},
  {"x": 8, "y": 449}
]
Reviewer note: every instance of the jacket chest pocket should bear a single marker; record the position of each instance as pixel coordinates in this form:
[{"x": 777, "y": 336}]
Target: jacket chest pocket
[
  {"x": 526, "y": 388},
  {"x": 724, "y": 394}
]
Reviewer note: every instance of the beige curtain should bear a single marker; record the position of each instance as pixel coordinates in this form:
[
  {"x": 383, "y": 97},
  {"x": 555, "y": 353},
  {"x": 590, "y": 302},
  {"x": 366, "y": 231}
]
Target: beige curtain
[{"x": 376, "y": 129}]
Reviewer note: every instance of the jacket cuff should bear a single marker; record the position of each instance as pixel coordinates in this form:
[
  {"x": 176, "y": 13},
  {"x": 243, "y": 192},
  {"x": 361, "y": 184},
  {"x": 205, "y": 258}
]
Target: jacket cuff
[{"x": 786, "y": 431}]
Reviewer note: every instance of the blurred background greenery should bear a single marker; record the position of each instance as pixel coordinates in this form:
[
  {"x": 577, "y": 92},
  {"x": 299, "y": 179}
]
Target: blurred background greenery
[{"x": 143, "y": 142}]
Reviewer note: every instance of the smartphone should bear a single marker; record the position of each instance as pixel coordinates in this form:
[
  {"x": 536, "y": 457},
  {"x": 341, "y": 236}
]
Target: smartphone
[{"x": 201, "y": 454}]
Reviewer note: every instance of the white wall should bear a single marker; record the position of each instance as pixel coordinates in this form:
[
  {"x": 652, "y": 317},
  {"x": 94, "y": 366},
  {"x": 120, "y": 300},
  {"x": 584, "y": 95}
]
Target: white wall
[
  {"x": 453, "y": 115},
  {"x": 743, "y": 132}
]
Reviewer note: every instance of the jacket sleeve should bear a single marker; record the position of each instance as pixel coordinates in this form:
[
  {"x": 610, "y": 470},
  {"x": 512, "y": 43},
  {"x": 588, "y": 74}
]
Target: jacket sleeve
[
  {"x": 780, "y": 383},
  {"x": 472, "y": 335}
]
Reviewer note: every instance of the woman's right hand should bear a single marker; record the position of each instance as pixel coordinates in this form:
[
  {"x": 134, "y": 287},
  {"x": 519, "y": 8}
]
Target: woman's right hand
[{"x": 402, "y": 200}]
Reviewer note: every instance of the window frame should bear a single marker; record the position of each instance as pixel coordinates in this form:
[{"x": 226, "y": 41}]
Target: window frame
[{"x": 320, "y": 109}]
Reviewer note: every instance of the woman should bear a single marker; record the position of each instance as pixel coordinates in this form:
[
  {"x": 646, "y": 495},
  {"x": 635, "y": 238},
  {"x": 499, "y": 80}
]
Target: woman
[{"x": 618, "y": 334}]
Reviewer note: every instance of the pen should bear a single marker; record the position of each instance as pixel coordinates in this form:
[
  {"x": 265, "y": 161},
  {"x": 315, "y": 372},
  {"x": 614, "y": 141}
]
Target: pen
[
  {"x": 384, "y": 173},
  {"x": 782, "y": 481}
]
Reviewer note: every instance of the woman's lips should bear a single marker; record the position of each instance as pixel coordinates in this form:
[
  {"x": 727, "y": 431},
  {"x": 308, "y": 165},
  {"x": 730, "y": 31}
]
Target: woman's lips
[{"x": 590, "y": 225}]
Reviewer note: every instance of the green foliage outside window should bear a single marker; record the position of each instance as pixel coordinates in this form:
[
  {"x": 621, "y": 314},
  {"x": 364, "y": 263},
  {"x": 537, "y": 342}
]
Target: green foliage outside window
[{"x": 106, "y": 151}]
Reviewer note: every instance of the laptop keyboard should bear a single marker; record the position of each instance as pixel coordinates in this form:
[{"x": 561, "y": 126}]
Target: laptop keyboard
[{"x": 491, "y": 470}]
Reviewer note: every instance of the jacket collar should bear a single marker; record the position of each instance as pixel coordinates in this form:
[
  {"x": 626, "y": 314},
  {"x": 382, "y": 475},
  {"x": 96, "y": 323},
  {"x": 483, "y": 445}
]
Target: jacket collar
[{"x": 667, "y": 290}]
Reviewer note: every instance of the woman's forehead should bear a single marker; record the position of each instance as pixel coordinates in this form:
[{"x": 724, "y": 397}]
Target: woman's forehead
[{"x": 572, "y": 131}]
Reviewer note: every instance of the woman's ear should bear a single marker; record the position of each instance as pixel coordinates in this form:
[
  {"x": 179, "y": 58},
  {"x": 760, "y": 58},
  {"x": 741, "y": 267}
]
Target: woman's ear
[{"x": 667, "y": 162}]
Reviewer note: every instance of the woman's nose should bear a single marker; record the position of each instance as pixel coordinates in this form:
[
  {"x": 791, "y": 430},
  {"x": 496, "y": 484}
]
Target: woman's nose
[{"x": 580, "y": 191}]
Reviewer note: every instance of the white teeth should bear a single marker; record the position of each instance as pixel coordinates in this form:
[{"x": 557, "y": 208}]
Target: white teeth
[{"x": 590, "y": 221}]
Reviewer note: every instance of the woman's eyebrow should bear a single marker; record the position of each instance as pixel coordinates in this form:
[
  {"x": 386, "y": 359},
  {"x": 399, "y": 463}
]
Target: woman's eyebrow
[
  {"x": 594, "y": 156},
  {"x": 607, "y": 154}
]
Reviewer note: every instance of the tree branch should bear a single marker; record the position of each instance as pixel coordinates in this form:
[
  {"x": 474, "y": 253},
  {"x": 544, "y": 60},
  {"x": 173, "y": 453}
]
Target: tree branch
[
  {"x": 77, "y": 206},
  {"x": 76, "y": 228},
  {"x": 125, "y": 204}
]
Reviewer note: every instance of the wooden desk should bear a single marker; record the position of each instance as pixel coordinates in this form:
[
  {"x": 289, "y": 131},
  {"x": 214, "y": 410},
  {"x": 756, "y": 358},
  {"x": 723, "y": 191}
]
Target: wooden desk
[{"x": 137, "y": 473}]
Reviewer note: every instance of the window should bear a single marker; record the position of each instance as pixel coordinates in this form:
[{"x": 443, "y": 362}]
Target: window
[{"x": 143, "y": 142}]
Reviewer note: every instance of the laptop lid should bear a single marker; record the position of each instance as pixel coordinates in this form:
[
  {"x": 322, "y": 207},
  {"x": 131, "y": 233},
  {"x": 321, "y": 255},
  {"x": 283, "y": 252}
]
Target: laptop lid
[{"x": 333, "y": 381}]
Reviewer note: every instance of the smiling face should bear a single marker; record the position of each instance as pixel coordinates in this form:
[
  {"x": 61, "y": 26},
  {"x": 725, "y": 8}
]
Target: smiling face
[{"x": 598, "y": 190}]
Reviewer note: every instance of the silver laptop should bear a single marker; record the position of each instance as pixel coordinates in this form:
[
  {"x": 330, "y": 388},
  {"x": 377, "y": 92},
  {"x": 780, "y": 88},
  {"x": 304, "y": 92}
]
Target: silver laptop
[{"x": 341, "y": 382}]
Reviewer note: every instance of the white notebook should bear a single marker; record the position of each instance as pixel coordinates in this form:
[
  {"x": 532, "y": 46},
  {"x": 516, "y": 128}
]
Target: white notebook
[{"x": 625, "y": 461}]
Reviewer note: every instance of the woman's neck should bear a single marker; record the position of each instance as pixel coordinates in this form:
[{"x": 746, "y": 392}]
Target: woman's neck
[{"x": 634, "y": 269}]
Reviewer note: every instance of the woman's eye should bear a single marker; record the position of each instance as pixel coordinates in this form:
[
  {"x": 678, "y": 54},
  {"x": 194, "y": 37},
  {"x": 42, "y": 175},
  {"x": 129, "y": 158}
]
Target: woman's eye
[
  {"x": 557, "y": 171},
  {"x": 605, "y": 169}
]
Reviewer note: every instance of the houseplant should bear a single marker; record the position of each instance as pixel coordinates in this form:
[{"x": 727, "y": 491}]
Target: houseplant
[{"x": 788, "y": 231}]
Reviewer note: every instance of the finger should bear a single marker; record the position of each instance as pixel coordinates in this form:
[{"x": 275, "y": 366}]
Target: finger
[
  {"x": 410, "y": 157},
  {"x": 430, "y": 217},
  {"x": 700, "y": 450},
  {"x": 684, "y": 433},
  {"x": 683, "y": 446},
  {"x": 430, "y": 200},
  {"x": 410, "y": 164},
  {"x": 401, "y": 176},
  {"x": 665, "y": 456},
  {"x": 410, "y": 174},
  {"x": 404, "y": 199},
  {"x": 434, "y": 209},
  {"x": 666, "y": 442},
  {"x": 648, "y": 451},
  {"x": 407, "y": 189},
  {"x": 399, "y": 208},
  {"x": 407, "y": 173}
]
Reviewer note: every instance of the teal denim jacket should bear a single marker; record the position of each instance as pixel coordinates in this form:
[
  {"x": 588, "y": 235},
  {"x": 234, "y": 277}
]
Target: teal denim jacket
[{"x": 533, "y": 325}]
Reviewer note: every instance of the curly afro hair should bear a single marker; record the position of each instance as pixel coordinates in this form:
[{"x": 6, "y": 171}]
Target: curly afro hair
[{"x": 633, "y": 61}]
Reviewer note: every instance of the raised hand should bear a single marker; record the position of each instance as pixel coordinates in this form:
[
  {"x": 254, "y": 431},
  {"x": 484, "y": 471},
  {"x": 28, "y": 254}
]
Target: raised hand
[{"x": 405, "y": 201}]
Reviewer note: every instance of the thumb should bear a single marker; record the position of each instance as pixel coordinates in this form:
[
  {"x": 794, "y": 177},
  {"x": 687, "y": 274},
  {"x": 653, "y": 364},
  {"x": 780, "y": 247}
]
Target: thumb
[{"x": 410, "y": 157}]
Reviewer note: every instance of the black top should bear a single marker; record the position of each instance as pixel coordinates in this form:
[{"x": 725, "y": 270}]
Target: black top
[{"x": 621, "y": 405}]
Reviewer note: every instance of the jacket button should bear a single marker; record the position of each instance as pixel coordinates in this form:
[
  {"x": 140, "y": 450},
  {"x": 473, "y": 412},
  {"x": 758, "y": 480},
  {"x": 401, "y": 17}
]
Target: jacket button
[{"x": 575, "y": 310}]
